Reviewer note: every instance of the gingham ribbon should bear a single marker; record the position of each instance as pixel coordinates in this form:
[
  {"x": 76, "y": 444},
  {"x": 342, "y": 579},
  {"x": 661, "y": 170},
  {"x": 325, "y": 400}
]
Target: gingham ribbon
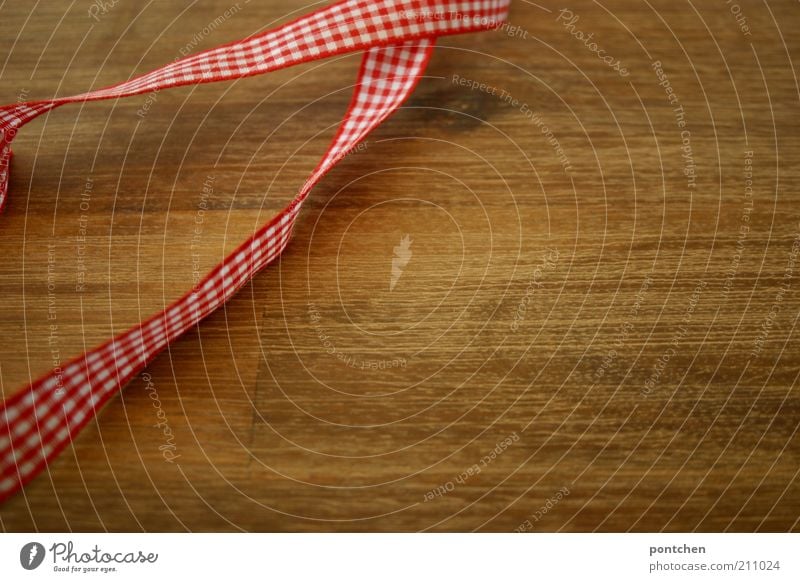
[{"x": 397, "y": 37}]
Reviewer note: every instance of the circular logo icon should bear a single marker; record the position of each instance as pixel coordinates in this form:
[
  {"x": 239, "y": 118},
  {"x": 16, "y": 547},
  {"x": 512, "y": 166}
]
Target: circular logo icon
[{"x": 31, "y": 555}]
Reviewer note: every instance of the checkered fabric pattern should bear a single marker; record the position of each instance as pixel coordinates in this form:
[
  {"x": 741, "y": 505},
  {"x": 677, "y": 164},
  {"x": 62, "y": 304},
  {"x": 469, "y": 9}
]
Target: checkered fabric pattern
[{"x": 397, "y": 38}]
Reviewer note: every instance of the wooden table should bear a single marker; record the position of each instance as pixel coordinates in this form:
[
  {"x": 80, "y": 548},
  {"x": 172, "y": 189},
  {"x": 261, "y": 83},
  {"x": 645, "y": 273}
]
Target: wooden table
[{"x": 595, "y": 327}]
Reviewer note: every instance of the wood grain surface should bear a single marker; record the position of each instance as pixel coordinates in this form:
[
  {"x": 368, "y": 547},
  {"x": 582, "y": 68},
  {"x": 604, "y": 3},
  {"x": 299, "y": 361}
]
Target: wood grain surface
[{"x": 593, "y": 318}]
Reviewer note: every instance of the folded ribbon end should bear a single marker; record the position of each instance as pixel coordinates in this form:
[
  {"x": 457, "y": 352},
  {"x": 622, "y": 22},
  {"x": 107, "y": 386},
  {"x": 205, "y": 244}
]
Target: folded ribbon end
[{"x": 5, "y": 171}]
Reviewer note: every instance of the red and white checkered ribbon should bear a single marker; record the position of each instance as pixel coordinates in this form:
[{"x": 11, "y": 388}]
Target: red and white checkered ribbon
[{"x": 397, "y": 37}]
